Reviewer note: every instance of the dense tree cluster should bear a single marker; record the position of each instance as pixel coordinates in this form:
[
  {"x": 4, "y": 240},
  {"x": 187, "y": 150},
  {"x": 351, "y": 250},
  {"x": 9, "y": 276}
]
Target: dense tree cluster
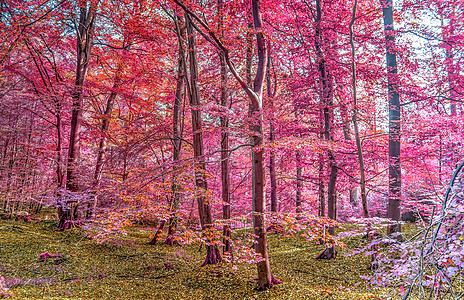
[{"x": 206, "y": 116}]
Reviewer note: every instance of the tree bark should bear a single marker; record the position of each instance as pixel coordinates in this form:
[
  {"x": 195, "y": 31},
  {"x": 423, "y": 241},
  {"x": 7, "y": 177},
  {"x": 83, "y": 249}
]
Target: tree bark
[
  {"x": 224, "y": 141},
  {"x": 272, "y": 163},
  {"x": 59, "y": 171},
  {"x": 448, "y": 33},
  {"x": 355, "y": 117},
  {"x": 91, "y": 208},
  {"x": 321, "y": 210},
  {"x": 68, "y": 212},
  {"x": 362, "y": 182},
  {"x": 299, "y": 185},
  {"x": 213, "y": 255},
  {"x": 265, "y": 278},
  {"x": 394, "y": 193},
  {"x": 327, "y": 102},
  {"x": 177, "y": 130}
]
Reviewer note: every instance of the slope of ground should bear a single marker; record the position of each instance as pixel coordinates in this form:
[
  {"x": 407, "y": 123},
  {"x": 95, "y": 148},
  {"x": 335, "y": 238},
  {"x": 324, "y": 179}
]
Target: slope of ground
[{"x": 131, "y": 269}]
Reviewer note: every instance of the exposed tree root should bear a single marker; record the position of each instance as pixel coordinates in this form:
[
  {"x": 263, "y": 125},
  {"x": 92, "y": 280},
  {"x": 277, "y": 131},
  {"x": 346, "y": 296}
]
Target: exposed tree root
[{"x": 213, "y": 256}]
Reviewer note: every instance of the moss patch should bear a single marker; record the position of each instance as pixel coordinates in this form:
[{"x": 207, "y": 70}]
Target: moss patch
[{"x": 131, "y": 269}]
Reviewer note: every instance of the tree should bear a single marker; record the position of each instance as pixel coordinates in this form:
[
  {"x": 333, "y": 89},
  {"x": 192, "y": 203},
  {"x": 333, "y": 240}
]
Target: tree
[
  {"x": 326, "y": 96},
  {"x": 394, "y": 125},
  {"x": 91, "y": 208},
  {"x": 272, "y": 155},
  {"x": 177, "y": 129},
  {"x": 213, "y": 255},
  {"x": 265, "y": 278},
  {"x": 181, "y": 81},
  {"x": 225, "y": 154},
  {"x": 68, "y": 211},
  {"x": 355, "y": 118}
]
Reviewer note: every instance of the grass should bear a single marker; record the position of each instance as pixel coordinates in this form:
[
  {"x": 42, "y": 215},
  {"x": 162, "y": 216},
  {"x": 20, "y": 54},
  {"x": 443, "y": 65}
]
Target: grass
[{"x": 131, "y": 269}]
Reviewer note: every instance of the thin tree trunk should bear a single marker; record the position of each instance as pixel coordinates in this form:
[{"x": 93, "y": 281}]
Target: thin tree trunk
[
  {"x": 91, "y": 208},
  {"x": 348, "y": 137},
  {"x": 177, "y": 131},
  {"x": 321, "y": 211},
  {"x": 213, "y": 255},
  {"x": 158, "y": 233},
  {"x": 68, "y": 212},
  {"x": 57, "y": 113},
  {"x": 265, "y": 278},
  {"x": 355, "y": 117},
  {"x": 272, "y": 163},
  {"x": 299, "y": 182},
  {"x": 394, "y": 193},
  {"x": 299, "y": 185},
  {"x": 59, "y": 171},
  {"x": 224, "y": 141},
  {"x": 448, "y": 33},
  {"x": 370, "y": 234}
]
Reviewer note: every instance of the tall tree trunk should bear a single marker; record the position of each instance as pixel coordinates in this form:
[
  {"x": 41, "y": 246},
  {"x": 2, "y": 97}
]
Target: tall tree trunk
[
  {"x": 265, "y": 278},
  {"x": 448, "y": 33},
  {"x": 298, "y": 165},
  {"x": 355, "y": 117},
  {"x": 394, "y": 193},
  {"x": 272, "y": 170},
  {"x": 213, "y": 255},
  {"x": 327, "y": 102},
  {"x": 362, "y": 182},
  {"x": 299, "y": 185},
  {"x": 91, "y": 208},
  {"x": 177, "y": 130},
  {"x": 68, "y": 211},
  {"x": 224, "y": 140},
  {"x": 59, "y": 171},
  {"x": 348, "y": 137},
  {"x": 321, "y": 210},
  {"x": 272, "y": 163}
]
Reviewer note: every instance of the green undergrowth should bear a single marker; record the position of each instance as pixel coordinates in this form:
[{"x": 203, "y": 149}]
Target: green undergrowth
[{"x": 130, "y": 269}]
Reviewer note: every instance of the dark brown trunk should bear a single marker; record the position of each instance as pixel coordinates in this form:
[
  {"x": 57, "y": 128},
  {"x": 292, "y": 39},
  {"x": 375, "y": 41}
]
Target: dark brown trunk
[
  {"x": 330, "y": 252},
  {"x": 272, "y": 163},
  {"x": 355, "y": 118},
  {"x": 158, "y": 233},
  {"x": 249, "y": 56},
  {"x": 68, "y": 212},
  {"x": 348, "y": 137},
  {"x": 177, "y": 131},
  {"x": 224, "y": 142},
  {"x": 91, "y": 208},
  {"x": 327, "y": 103},
  {"x": 68, "y": 215},
  {"x": 325, "y": 132},
  {"x": 84, "y": 45},
  {"x": 299, "y": 185},
  {"x": 358, "y": 138},
  {"x": 321, "y": 211},
  {"x": 204, "y": 208},
  {"x": 59, "y": 171},
  {"x": 265, "y": 278},
  {"x": 448, "y": 33},
  {"x": 394, "y": 193}
]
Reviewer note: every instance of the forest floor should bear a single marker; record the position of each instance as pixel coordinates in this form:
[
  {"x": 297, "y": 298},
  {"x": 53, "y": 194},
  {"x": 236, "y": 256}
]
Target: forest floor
[{"x": 130, "y": 269}]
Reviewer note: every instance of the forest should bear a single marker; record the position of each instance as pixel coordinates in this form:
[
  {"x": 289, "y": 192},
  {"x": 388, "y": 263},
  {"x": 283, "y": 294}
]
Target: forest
[{"x": 231, "y": 149}]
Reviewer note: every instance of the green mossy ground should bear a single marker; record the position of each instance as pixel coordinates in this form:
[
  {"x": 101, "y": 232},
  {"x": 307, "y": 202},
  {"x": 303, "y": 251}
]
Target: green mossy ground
[{"x": 131, "y": 269}]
